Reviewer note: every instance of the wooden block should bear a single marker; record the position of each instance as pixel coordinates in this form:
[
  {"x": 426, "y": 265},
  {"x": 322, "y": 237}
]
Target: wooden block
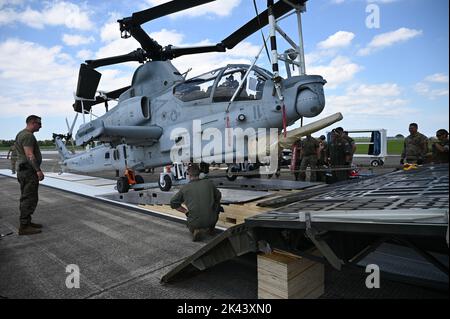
[{"x": 286, "y": 276}]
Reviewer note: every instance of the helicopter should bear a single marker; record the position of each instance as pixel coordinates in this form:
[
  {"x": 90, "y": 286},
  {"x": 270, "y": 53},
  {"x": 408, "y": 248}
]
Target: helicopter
[{"x": 138, "y": 133}]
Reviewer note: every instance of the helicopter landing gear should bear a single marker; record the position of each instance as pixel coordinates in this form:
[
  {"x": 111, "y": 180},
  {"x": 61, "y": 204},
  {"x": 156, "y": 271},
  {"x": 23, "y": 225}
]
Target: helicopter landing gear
[
  {"x": 124, "y": 183},
  {"x": 172, "y": 174},
  {"x": 245, "y": 168},
  {"x": 176, "y": 174}
]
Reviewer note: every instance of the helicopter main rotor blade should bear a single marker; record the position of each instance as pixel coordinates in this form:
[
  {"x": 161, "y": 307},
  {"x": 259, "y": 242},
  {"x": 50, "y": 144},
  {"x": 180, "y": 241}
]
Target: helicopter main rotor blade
[
  {"x": 164, "y": 9},
  {"x": 98, "y": 99},
  {"x": 138, "y": 55},
  {"x": 88, "y": 80},
  {"x": 171, "y": 52},
  {"x": 279, "y": 9}
]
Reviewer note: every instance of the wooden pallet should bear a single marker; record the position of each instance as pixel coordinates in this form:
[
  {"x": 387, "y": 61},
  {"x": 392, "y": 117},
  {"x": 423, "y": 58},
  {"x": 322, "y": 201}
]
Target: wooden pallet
[
  {"x": 233, "y": 214},
  {"x": 285, "y": 276}
]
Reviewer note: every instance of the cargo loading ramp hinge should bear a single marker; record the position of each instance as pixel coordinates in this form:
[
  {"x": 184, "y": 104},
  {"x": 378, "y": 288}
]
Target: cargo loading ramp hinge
[
  {"x": 235, "y": 241},
  {"x": 316, "y": 237}
]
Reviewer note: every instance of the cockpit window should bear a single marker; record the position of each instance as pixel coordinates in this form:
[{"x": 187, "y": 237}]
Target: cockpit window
[
  {"x": 196, "y": 88},
  {"x": 251, "y": 89}
]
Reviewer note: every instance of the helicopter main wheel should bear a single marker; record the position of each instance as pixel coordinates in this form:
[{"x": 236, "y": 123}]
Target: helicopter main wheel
[
  {"x": 139, "y": 180},
  {"x": 122, "y": 185},
  {"x": 230, "y": 173},
  {"x": 375, "y": 163},
  {"x": 166, "y": 184}
]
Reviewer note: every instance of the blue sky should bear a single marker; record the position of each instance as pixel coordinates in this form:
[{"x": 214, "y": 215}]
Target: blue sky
[{"x": 383, "y": 77}]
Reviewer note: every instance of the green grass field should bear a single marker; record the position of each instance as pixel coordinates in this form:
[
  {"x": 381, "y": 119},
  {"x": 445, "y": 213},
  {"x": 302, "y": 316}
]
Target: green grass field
[{"x": 394, "y": 147}]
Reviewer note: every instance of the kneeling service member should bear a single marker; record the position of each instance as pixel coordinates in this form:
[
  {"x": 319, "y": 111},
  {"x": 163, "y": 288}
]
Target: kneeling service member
[{"x": 202, "y": 201}]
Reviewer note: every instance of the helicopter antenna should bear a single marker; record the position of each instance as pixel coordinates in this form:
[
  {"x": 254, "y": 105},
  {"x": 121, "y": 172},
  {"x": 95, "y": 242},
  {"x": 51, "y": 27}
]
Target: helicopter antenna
[{"x": 184, "y": 75}]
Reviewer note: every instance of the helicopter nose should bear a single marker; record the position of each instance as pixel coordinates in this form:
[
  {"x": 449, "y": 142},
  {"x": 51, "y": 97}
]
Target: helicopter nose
[
  {"x": 310, "y": 103},
  {"x": 310, "y": 96}
]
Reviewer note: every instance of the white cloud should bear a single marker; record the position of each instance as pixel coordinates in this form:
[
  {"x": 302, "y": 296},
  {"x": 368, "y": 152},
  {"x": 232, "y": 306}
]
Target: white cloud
[
  {"x": 381, "y": 1},
  {"x": 368, "y": 100},
  {"x": 437, "y": 78},
  {"x": 110, "y": 32},
  {"x": 219, "y": 7},
  {"x": 338, "y": 40},
  {"x": 380, "y": 90},
  {"x": 340, "y": 70},
  {"x": 388, "y": 39},
  {"x": 41, "y": 83},
  {"x": 85, "y": 54},
  {"x": 75, "y": 40},
  {"x": 429, "y": 92},
  {"x": 7, "y": 16},
  {"x": 56, "y": 13},
  {"x": 10, "y": 2},
  {"x": 428, "y": 88}
]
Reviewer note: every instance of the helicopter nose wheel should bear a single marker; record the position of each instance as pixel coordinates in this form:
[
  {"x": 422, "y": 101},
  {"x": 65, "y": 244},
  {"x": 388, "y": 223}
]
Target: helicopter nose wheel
[
  {"x": 122, "y": 185},
  {"x": 231, "y": 173},
  {"x": 165, "y": 183}
]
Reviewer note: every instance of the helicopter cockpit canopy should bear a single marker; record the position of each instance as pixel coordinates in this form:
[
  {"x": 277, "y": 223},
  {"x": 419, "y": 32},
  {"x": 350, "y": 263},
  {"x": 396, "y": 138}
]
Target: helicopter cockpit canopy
[{"x": 221, "y": 84}]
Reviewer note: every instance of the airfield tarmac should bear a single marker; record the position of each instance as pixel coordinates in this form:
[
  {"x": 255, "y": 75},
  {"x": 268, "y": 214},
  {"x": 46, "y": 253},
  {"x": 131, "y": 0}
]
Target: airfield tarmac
[{"x": 123, "y": 254}]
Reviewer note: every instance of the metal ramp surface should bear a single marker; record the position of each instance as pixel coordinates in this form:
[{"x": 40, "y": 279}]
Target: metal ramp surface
[
  {"x": 233, "y": 242},
  {"x": 261, "y": 184}
]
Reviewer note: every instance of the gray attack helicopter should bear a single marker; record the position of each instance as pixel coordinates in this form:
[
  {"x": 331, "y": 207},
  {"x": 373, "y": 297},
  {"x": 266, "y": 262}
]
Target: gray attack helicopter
[{"x": 137, "y": 134}]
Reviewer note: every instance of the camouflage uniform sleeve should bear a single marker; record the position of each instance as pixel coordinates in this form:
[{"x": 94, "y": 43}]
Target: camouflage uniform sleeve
[
  {"x": 28, "y": 140},
  {"x": 425, "y": 145},
  {"x": 177, "y": 200},
  {"x": 347, "y": 148}
]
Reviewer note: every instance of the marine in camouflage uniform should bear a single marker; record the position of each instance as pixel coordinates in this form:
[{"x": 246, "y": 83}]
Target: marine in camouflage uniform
[
  {"x": 351, "y": 142},
  {"x": 202, "y": 199},
  {"x": 415, "y": 146},
  {"x": 440, "y": 148},
  {"x": 323, "y": 158},
  {"x": 310, "y": 154},
  {"x": 12, "y": 153},
  {"x": 296, "y": 158},
  {"x": 339, "y": 154},
  {"x": 29, "y": 174}
]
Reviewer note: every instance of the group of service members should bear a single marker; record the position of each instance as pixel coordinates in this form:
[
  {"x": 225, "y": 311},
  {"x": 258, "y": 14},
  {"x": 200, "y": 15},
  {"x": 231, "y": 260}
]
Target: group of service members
[{"x": 331, "y": 162}]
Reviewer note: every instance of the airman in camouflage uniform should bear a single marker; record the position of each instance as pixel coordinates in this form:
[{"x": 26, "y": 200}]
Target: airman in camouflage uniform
[
  {"x": 12, "y": 153},
  {"x": 309, "y": 155},
  {"x": 440, "y": 148},
  {"x": 323, "y": 157},
  {"x": 344, "y": 134},
  {"x": 29, "y": 174},
  {"x": 339, "y": 155},
  {"x": 415, "y": 146}
]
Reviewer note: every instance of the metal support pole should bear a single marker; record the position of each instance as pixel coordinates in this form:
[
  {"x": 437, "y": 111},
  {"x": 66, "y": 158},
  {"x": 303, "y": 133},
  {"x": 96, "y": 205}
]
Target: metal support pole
[{"x": 301, "y": 52}]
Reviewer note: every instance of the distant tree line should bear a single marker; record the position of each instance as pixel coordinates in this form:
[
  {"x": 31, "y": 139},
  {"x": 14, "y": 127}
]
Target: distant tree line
[{"x": 8, "y": 143}]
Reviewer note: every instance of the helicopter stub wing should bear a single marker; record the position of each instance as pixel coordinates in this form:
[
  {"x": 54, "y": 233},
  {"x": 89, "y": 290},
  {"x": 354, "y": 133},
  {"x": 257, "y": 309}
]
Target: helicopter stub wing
[{"x": 293, "y": 135}]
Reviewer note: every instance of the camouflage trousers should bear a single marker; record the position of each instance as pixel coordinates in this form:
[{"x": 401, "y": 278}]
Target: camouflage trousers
[
  {"x": 13, "y": 164},
  {"x": 311, "y": 161},
  {"x": 29, "y": 184}
]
